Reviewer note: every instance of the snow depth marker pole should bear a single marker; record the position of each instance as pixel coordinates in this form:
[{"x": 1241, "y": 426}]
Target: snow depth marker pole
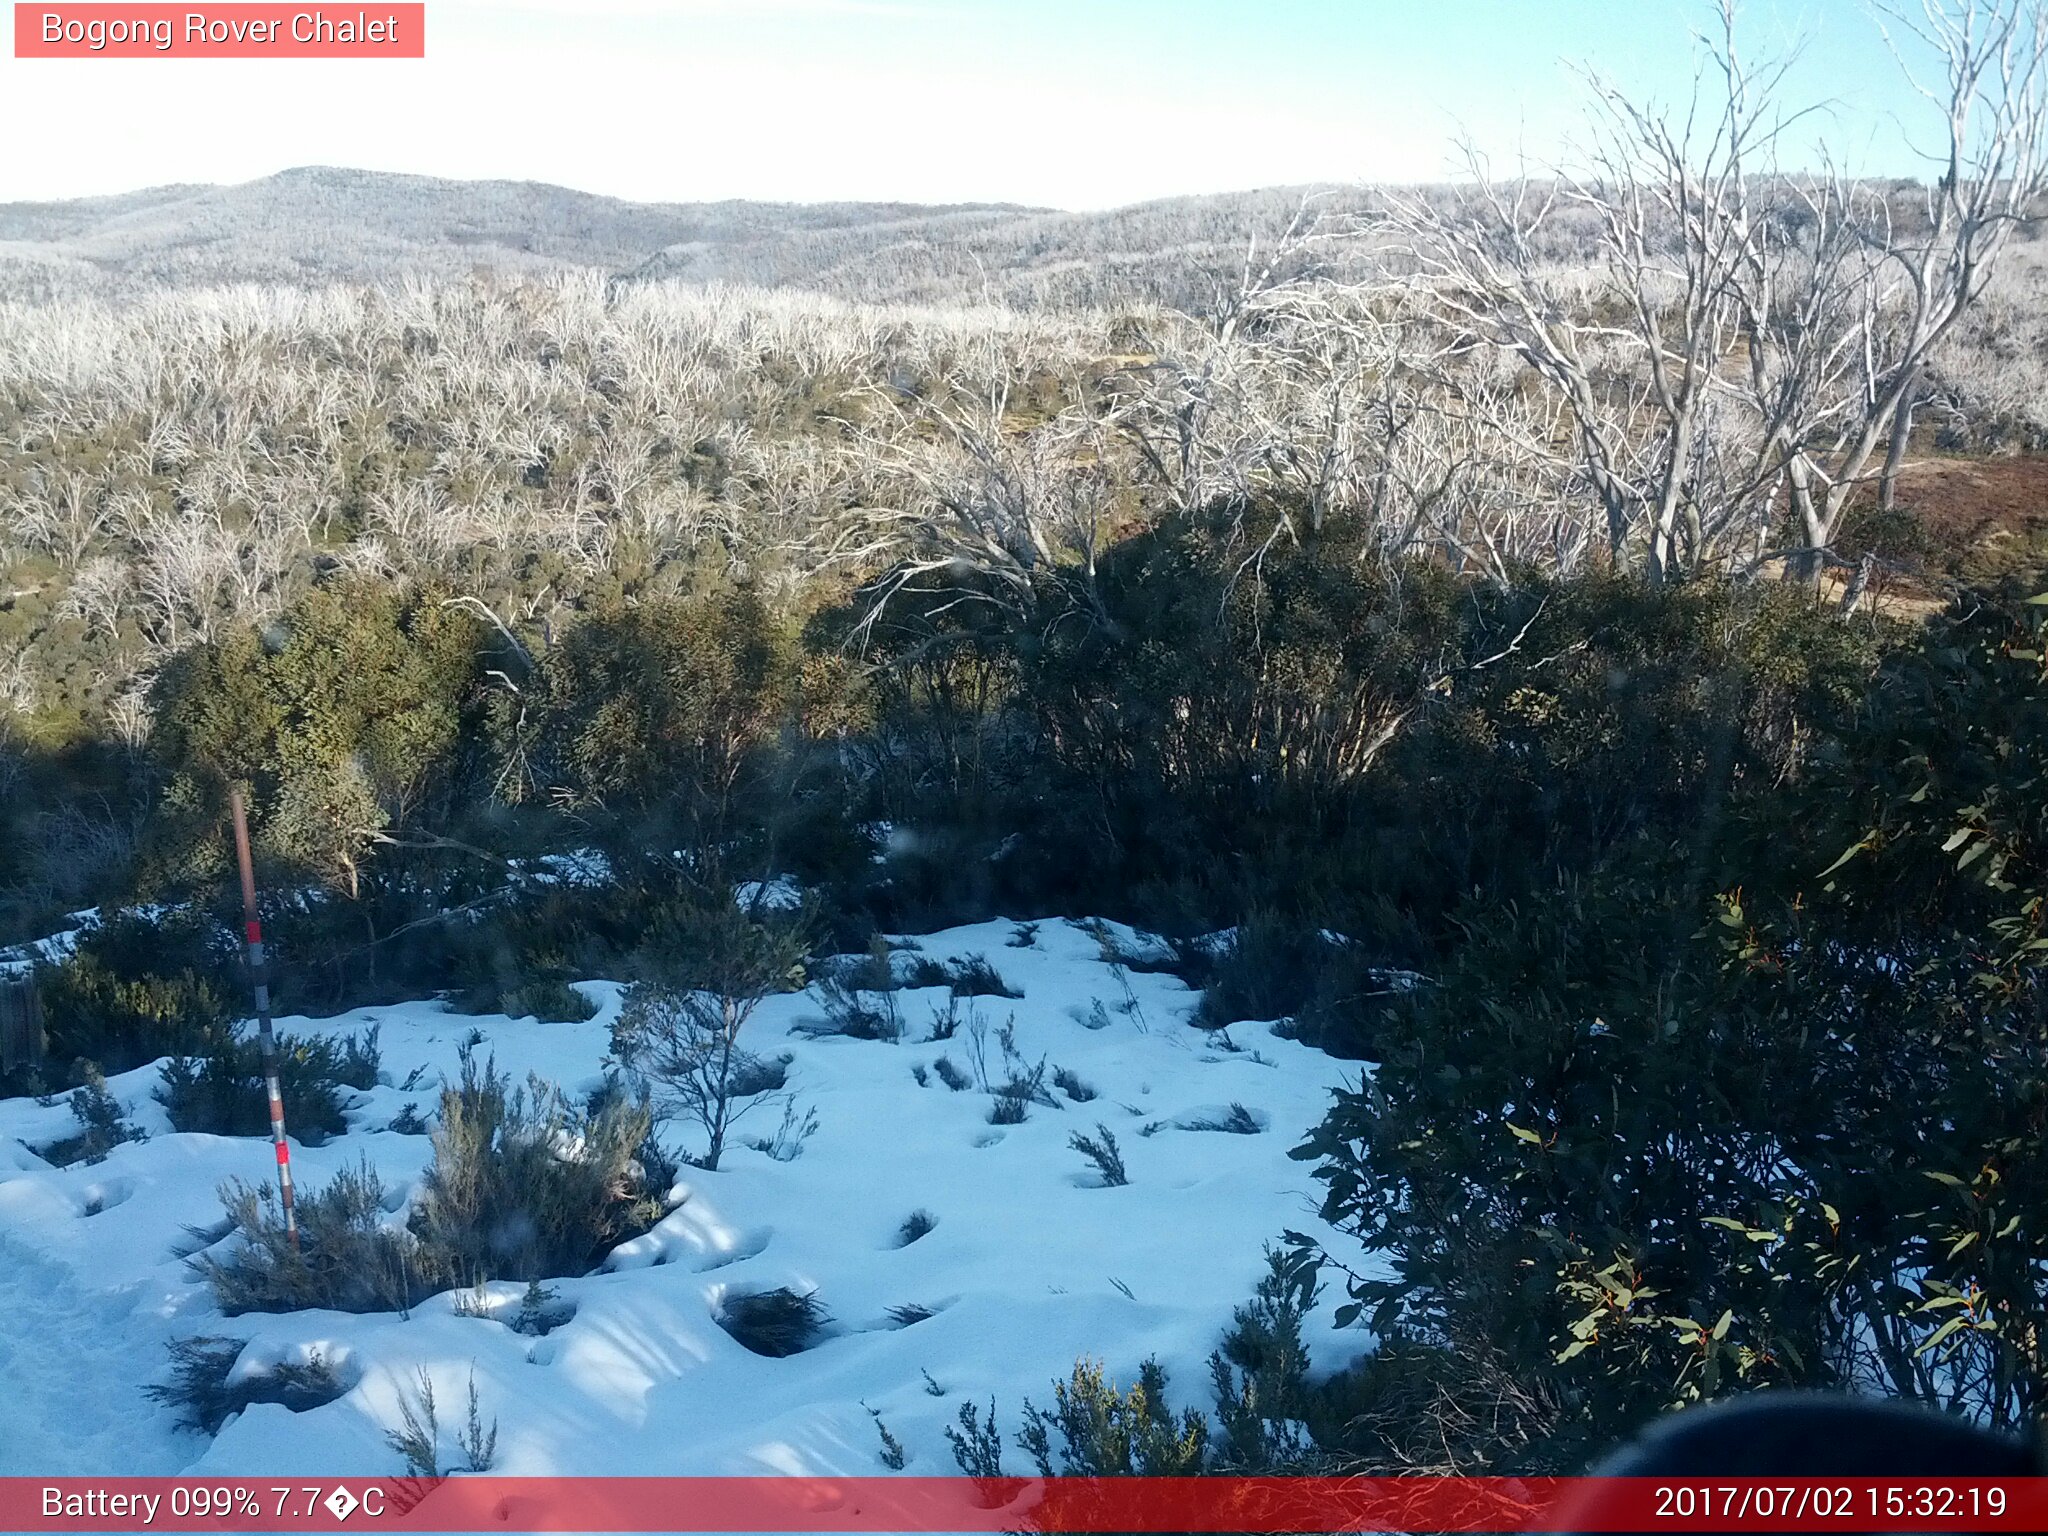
[{"x": 252, "y": 934}]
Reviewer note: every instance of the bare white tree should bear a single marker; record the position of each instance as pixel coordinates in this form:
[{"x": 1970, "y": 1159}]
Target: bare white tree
[
  {"x": 1749, "y": 338},
  {"x": 1981, "y": 68}
]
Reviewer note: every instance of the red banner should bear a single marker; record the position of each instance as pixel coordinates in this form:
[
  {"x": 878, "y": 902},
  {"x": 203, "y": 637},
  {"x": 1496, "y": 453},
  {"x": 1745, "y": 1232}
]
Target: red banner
[
  {"x": 235, "y": 31},
  {"x": 1135, "y": 1504}
]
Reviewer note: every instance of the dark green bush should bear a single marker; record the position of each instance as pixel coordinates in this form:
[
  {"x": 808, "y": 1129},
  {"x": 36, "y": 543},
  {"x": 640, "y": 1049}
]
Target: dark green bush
[
  {"x": 222, "y": 1093},
  {"x": 1259, "y": 1375},
  {"x": 652, "y": 717},
  {"x": 1273, "y": 967},
  {"x": 1745, "y": 1107},
  {"x": 138, "y": 987},
  {"x": 552, "y": 1002},
  {"x": 347, "y": 716}
]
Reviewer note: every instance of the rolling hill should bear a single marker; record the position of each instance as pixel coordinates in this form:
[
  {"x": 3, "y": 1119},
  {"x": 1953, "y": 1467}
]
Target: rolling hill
[{"x": 323, "y": 224}]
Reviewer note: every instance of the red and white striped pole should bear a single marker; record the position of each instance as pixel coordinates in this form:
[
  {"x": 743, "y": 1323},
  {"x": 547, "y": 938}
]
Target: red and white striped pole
[{"x": 252, "y": 934}]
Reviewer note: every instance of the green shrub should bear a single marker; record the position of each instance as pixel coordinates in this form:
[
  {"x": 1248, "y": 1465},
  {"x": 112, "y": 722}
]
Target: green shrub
[
  {"x": 346, "y": 716},
  {"x": 977, "y": 1443},
  {"x": 519, "y": 955},
  {"x": 523, "y": 1187},
  {"x": 1260, "y": 1374},
  {"x": 1657, "y": 1131},
  {"x": 100, "y": 1122},
  {"x": 892, "y": 1453},
  {"x": 418, "y": 1439},
  {"x": 1093, "y": 1430},
  {"x": 541, "y": 1310},
  {"x": 1273, "y": 1418},
  {"x": 348, "y": 1260},
  {"x": 653, "y": 715}
]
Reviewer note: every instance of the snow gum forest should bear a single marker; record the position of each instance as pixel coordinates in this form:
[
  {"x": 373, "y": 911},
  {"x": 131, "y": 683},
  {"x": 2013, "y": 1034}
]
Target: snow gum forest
[{"x": 1332, "y": 830}]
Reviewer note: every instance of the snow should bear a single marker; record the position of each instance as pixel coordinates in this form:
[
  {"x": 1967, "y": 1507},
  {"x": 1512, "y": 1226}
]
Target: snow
[
  {"x": 1032, "y": 1263},
  {"x": 20, "y": 959},
  {"x": 68, "y": 1354}
]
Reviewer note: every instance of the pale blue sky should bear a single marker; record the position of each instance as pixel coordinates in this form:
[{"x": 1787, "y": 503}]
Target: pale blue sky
[{"x": 1071, "y": 103}]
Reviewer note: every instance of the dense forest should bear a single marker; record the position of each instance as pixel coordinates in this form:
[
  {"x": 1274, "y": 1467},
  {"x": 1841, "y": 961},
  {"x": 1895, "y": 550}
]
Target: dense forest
[{"x": 1584, "y": 722}]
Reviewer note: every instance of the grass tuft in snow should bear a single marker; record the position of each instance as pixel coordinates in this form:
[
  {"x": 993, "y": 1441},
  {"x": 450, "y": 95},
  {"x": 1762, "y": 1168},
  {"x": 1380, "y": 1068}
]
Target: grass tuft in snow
[
  {"x": 951, "y": 1075},
  {"x": 915, "y": 1225},
  {"x": 786, "y": 1145},
  {"x": 775, "y": 1323},
  {"x": 204, "y": 1398},
  {"x": 1023, "y": 1089},
  {"x": 1239, "y": 1121},
  {"x": 892, "y": 1453},
  {"x": 911, "y": 1312},
  {"x": 849, "y": 1012},
  {"x": 947, "y": 1019},
  {"x": 1147, "y": 957},
  {"x": 1070, "y": 1083},
  {"x": 418, "y": 1439},
  {"x": 1101, "y": 1150},
  {"x": 972, "y": 976}
]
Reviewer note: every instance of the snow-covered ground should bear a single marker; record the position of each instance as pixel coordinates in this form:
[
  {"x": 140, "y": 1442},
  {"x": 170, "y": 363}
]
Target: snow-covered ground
[{"x": 1031, "y": 1262}]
